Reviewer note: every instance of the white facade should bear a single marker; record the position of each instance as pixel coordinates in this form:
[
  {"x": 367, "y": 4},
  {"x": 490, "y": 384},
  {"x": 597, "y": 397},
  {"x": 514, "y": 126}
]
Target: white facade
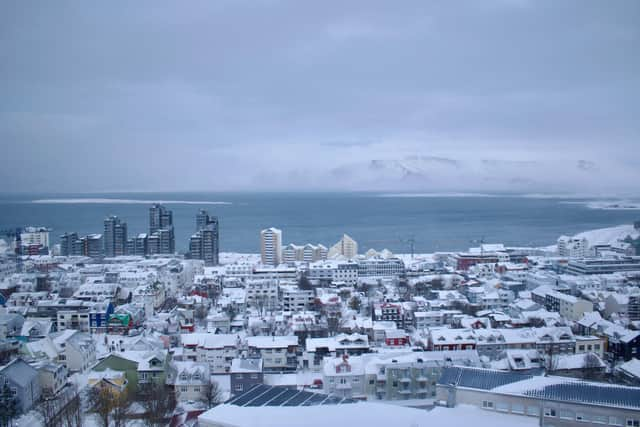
[
  {"x": 271, "y": 246},
  {"x": 346, "y": 247},
  {"x": 573, "y": 248},
  {"x": 216, "y": 350},
  {"x": 35, "y": 236}
]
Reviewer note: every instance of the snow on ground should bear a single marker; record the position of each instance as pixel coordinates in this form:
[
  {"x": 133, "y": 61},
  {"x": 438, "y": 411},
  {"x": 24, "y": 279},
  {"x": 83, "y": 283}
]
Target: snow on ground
[
  {"x": 632, "y": 367},
  {"x": 607, "y": 236},
  {"x": 362, "y": 413}
]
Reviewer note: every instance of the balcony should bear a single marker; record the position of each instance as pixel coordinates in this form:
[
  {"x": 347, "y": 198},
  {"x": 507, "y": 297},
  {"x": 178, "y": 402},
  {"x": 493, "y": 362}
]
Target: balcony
[
  {"x": 405, "y": 391},
  {"x": 405, "y": 380}
]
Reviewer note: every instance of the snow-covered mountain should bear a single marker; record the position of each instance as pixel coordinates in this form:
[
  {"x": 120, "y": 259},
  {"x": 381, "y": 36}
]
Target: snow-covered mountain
[{"x": 432, "y": 173}]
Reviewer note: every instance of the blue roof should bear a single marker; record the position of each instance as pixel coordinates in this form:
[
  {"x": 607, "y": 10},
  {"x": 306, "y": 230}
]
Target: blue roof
[
  {"x": 484, "y": 379},
  {"x": 583, "y": 392},
  {"x": 558, "y": 389},
  {"x": 264, "y": 395}
]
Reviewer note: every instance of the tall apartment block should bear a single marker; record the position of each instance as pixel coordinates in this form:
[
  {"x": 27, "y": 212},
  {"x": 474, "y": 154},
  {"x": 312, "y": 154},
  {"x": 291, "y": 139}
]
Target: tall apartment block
[
  {"x": 204, "y": 244},
  {"x": 271, "y": 246},
  {"x": 115, "y": 237}
]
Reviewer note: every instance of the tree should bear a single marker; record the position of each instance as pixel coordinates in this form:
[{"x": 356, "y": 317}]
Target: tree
[
  {"x": 63, "y": 410},
  {"x": 592, "y": 366},
  {"x": 304, "y": 283},
  {"x": 200, "y": 313},
  {"x": 355, "y": 303},
  {"x": 158, "y": 401},
  {"x": 101, "y": 403},
  {"x": 8, "y": 406},
  {"x": 121, "y": 409},
  {"x": 231, "y": 312},
  {"x": 213, "y": 394}
]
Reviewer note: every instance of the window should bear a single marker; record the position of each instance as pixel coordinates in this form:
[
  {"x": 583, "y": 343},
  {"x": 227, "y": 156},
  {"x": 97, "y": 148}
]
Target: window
[
  {"x": 372, "y": 382},
  {"x": 633, "y": 422},
  {"x": 533, "y": 411},
  {"x": 487, "y": 404},
  {"x": 517, "y": 408},
  {"x": 502, "y": 406},
  {"x": 599, "y": 419},
  {"x": 615, "y": 421},
  {"x": 183, "y": 389},
  {"x": 580, "y": 416},
  {"x": 549, "y": 412},
  {"x": 239, "y": 387},
  {"x": 196, "y": 389}
]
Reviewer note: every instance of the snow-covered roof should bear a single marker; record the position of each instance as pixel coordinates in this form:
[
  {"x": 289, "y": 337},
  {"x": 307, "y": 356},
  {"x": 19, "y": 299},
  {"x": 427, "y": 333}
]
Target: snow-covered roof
[
  {"x": 278, "y": 341},
  {"x": 361, "y": 413}
]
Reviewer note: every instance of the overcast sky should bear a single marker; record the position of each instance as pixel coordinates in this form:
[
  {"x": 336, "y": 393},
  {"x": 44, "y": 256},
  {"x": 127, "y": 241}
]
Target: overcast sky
[{"x": 504, "y": 95}]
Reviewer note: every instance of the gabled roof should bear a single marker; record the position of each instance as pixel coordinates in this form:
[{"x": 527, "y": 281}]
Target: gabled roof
[{"x": 19, "y": 371}]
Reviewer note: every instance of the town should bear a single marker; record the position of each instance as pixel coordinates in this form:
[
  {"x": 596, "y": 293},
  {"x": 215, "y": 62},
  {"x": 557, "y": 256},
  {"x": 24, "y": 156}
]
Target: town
[{"x": 108, "y": 329}]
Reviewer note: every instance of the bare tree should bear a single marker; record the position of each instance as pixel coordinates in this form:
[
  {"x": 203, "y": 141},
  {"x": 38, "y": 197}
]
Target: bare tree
[
  {"x": 159, "y": 403},
  {"x": 200, "y": 313},
  {"x": 101, "y": 403},
  {"x": 592, "y": 366},
  {"x": 355, "y": 303},
  {"x": 213, "y": 394},
  {"x": 304, "y": 283}
]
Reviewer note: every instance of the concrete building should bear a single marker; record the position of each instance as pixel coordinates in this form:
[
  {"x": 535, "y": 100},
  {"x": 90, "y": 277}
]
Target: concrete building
[
  {"x": 92, "y": 246},
  {"x": 380, "y": 267},
  {"x": 271, "y": 246},
  {"x": 554, "y": 401},
  {"x": 161, "y": 225},
  {"x": 346, "y": 247},
  {"x": 607, "y": 265},
  {"x": 216, "y": 350},
  {"x": 68, "y": 244},
  {"x": 278, "y": 353},
  {"x": 34, "y": 237},
  {"x": 204, "y": 244},
  {"x": 573, "y": 248},
  {"x": 115, "y": 237}
]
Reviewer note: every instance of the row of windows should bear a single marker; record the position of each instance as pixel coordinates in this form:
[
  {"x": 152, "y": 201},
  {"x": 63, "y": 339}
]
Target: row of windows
[{"x": 564, "y": 414}]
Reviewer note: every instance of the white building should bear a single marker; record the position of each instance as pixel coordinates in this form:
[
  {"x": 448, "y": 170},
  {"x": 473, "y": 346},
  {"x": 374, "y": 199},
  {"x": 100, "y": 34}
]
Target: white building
[
  {"x": 296, "y": 299},
  {"x": 271, "y": 246},
  {"x": 346, "y": 247},
  {"x": 216, "y": 350},
  {"x": 35, "y": 236},
  {"x": 189, "y": 380},
  {"x": 278, "y": 353},
  {"x": 573, "y": 248}
]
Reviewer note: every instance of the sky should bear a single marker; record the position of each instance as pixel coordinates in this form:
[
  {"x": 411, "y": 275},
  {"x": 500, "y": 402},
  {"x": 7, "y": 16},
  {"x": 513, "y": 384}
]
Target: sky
[{"x": 268, "y": 95}]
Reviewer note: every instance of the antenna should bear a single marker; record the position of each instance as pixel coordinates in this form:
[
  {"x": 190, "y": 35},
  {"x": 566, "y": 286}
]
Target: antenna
[{"x": 412, "y": 242}]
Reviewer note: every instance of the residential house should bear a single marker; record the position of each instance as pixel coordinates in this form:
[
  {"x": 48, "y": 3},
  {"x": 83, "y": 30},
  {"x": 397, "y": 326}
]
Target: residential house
[
  {"x": 245, "y": 373},
  {"x": 24, "y": 383}
]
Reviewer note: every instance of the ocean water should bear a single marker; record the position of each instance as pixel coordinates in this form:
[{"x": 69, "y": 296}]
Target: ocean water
[{"x": 437, "y": 223}]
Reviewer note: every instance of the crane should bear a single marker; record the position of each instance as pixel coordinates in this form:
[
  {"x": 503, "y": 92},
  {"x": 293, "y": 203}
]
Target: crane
[{"x": 411, "y": 242}]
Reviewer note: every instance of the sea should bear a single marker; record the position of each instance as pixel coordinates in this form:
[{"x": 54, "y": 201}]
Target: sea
[{"x": 433, "y": 222}]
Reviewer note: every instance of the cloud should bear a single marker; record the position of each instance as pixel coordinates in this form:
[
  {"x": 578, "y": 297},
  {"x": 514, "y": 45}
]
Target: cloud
[{"x": 285, "y": 95}]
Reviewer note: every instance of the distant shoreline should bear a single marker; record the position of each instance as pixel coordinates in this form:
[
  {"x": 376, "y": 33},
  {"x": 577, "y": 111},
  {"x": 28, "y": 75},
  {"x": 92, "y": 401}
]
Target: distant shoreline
[{"x": 125, "y": 201}]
